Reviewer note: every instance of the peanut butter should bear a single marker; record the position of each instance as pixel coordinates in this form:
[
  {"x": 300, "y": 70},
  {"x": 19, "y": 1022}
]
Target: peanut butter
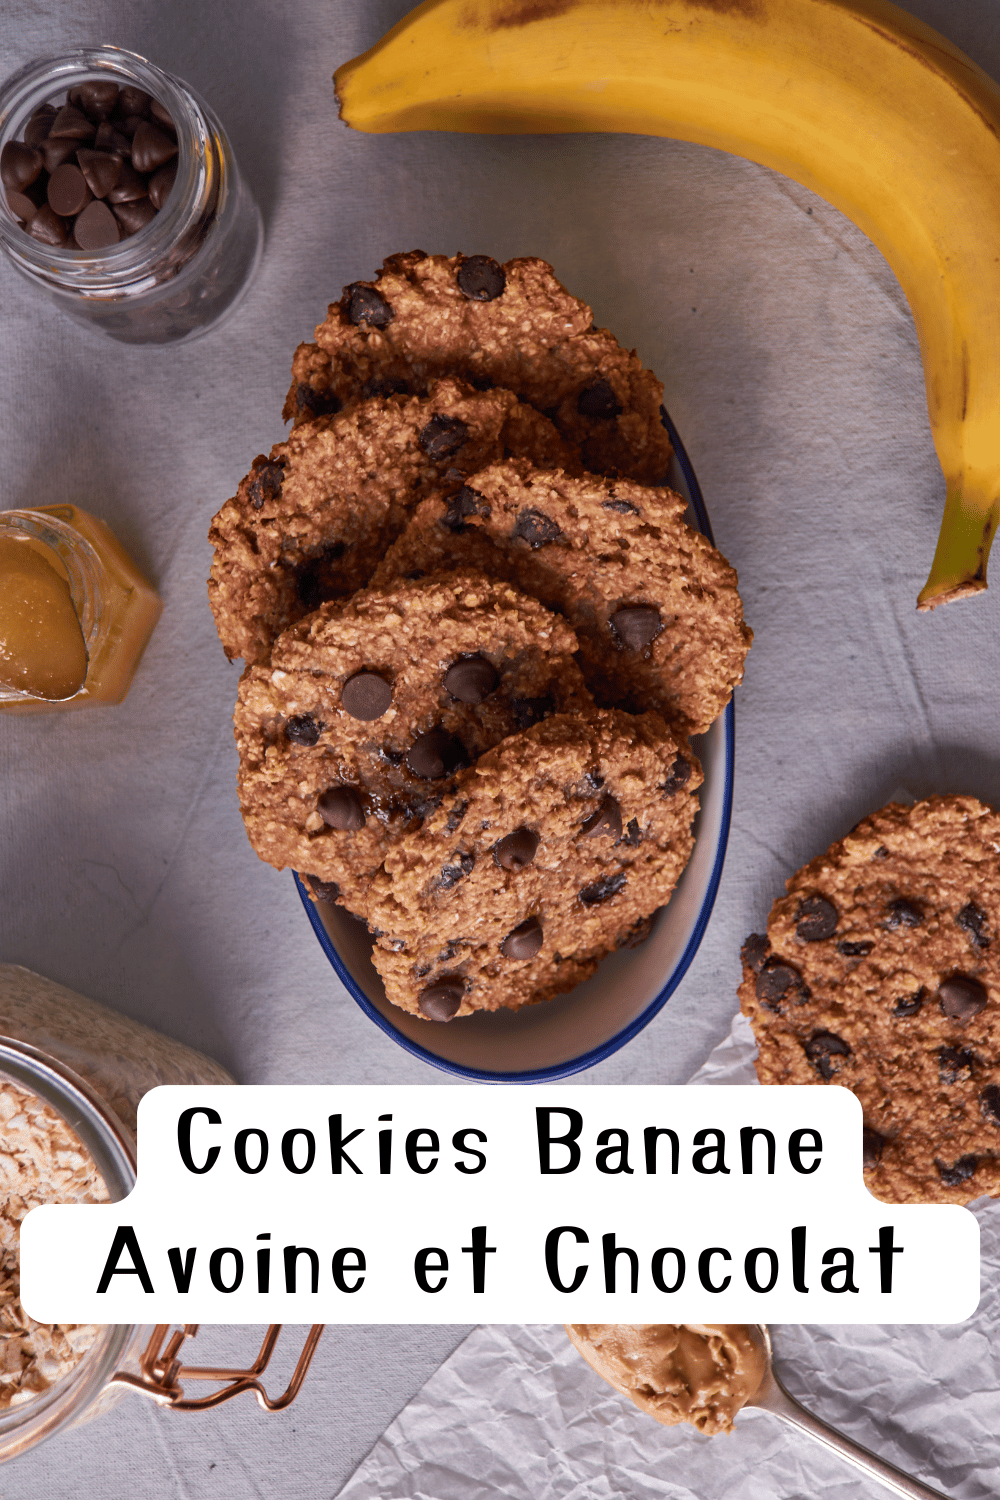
[{"x": 42, "y": 650}]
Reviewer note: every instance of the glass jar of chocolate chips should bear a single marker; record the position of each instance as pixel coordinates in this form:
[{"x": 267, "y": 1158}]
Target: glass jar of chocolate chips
[{"x": 120, "y": 196}]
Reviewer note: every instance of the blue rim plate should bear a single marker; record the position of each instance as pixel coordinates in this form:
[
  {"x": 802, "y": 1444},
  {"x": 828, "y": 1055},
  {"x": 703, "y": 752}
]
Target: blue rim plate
[{"x": 573, "y": 1032}]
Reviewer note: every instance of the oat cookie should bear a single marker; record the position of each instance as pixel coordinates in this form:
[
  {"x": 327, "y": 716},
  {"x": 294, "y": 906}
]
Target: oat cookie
[
  {"x": 311, "y": 521},
  {"x": 369, "y": 709},
  {"x": 548, "y": 853},
  {"x": 880, "y": 970},
  {"x": 655, "y": 606},
  {"x": 509, "y": 325}
]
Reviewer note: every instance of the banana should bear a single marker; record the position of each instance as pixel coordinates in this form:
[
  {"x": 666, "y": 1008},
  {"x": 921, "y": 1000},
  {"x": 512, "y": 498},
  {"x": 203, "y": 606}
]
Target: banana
[{"x": 855, "y": 99}]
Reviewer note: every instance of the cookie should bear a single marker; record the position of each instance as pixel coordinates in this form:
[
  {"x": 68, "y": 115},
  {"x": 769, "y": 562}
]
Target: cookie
[
  {"x": 880, "y": 971},
  {"x": 655, "y": 606},
  {"x": 509, "y": 325},
  {"x": 551, "y": 851},
  {"x": 310, "y": 522},
  {"x": 369, "y": 709}
]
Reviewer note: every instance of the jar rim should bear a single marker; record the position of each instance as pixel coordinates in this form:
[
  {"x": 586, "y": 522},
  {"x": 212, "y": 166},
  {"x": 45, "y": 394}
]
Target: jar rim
[{"x": 127, "y": 266}]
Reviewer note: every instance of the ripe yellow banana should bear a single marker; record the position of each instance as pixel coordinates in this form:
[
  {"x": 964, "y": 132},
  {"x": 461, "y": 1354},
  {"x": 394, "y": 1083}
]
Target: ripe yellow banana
[{"x": 853, "y": 98}]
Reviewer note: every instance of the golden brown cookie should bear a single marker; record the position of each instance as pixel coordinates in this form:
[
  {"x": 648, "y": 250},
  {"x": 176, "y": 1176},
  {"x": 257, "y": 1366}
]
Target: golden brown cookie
[
  {"x": 550, "y": 852},
  {"x": 880, "y": 971},
  {"x": 311, "y": 521},
  {"x": 655, "y": 606},
  {"x": 509, "y": 325},
  {"x": 369, "y": 709}
]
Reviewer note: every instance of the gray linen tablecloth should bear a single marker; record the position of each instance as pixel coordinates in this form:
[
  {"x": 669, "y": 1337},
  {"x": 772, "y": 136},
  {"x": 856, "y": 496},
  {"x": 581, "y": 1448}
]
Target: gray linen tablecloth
[{"x": 792, "y": 370}]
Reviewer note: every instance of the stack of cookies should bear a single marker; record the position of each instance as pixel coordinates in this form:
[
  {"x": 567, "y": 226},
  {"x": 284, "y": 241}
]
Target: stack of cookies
[{"x": 479, "y": 634}]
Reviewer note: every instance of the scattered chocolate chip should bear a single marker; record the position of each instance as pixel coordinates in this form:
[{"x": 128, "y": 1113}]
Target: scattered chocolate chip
[
  {"x": 471, "y": 679},
  {"x": 598, "y": 400},
  {"x": 441, "y": 1000},
  {"x": 603, "y": 889},
  {"x": 636, "y": 626},
  {"x": 161, "y": 184},
  {"x": 481, "y": 278},
  {"x": 20, "y": 165},
  {"x": 902, "y": 913},
  {"x": 68, "y": 193},
  {"x": 303, "y": 729},
  {"x": 363, "y": 304},
  {"x": 817, "y": 920},
  {"x": 525, "y": 940},
  {"x": 134, "y": 215},
  {"x": 909, "y": 1005},
  {"x": 778, "y": 981},
  {"x": 854, "y": 950},
  {"x": 872, "y": 1145},
  {"x": 455, "y": 816},
  {"x": 953, "y": 1062},
  {"x": 621, "y": 507},
  {"x": 324, "y": 890},
  {"x": 961, "y": 997},
  {"x": 464, "y": 502},
  {"x": 341, "y": 807},
  {"x": 151, "y": 148},
  {"x": 317, "y": 403},
  {"x": 517, "y": 850},
  {"x": 958, "y": 1172},
  {"x": 679, "y": 775},
  {"x": 320, "y": 578},
  {"x": 435, "y": 754},
  {"x": 881, "y": 852},
  {"x": 633, "y": 834},
  {"x": 452, "y": 874},
  {"x": 972, "y": 920},
  {"x": 70, "y": 124},
  {"x": 101, "y": 170},
  {"x": 47, "y": 227},
  {"x": 606, "y": 822},
  {"x": 535, "y": 528},
  {"x": 443, "y": 436},
  {"x": 96, "y": 228},
  {"x": 266, "y": 478},
  {"x": 97, "y": 98},
  {"x": 384, "y": 385},
  {"x": 366, "y": 696},
  {"x": 754, "y": 951},
  {"x": 821, "y": 1048},
  {"x": 989, "y": 1103}
]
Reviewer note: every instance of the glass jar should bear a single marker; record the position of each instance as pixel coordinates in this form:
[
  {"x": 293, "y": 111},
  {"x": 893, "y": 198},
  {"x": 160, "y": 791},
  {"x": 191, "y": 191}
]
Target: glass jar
[
  {"x": 178, "y": 276},
  {"x": 103, "y": 624}
]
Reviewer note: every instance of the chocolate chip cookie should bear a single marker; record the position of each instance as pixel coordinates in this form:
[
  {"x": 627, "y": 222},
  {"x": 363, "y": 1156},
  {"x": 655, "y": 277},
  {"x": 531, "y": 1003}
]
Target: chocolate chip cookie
[
  {"x": 311, "y": 520},
  {"x": 654, "y": 605},
  {"x": 551, "y": 851},
  {"x": 880, "y": 970},
  {"x": 369, "y": 709},
  {"x": 509, "y": 325}
]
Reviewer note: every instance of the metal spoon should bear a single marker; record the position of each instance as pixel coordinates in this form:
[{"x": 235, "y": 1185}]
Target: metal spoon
[{"x": 773, "y": 1397}]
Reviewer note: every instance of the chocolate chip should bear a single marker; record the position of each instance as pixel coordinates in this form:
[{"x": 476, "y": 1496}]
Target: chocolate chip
[
  {"x": 101, "y": 170},
  {"x": 70, "y": 124},
  {"x": 481, "y": 278},
  {"x": 464, "y": 502},
  {"x": 679, "y": 775},
  {"x": 151, "y": 148},
  {"x": 989, "y": 1103},
  {"x": 97, "y": 98},
  {"x": 636, "y": 626},
  {"x": 37, "y": 128},
  {"x": 317, "y": 403},
  {"x": 366, "y": 696},
  {"x": 525, "y": 940},
  {"x": 603, "y": 889},
  {"x": 822, "y": 1047},
  {"x": 961, "y": 997},
  {"x": 68, "y": 192},
  {"x": 902, "y": 913},
  {"x": 363, "y": 304},
  {"x": 96, "y": 228},
  {"x": 854, "y": 950},
  {"x": 266, "y": 478},
  {"x": 606, "y": 822},
  {"x": 161, "y": 184},
  {"x": 21, "y": 206},
  {"x": 633, "y": 834},
  {"x": 303, "y": 729},
  {"x": 881, "y": 852},
  {"x": 517, "y": 850},
  {"x": 441, "y": 1000},
  {"x": 455, "y": 816},
  {"x": 872, "y": 1145},
  {"x": 324, "y": 890},
  {"x": 320, "y": 577},
  {"x": 953, "y": 1062},
  {"x": 55, "y": 150},
  {"x": 598, "y": 400},
  {"x": 341, "y": 807},
  {"x": 754, "y": 951},
  {"x": 958, "y": 1172},
  {"x": 471, "y": 679},
  {"x": 972, "y": 920},
  {"x": 452, "y": 874},
  {"x": 47, "y": 227},
  {"x": 443, "y": 436},
  {"x": 528, "y": 711},
  {"x": 817, "y": 920},
  {"x": 535, "y": 528},
  {"x": 435, "y": 754},
  {"x": 909, "y": 1005},
  {"x": 20, "y": 165},
  {"x": 778, "y": 981},
  {"x": 134, "y": 215},
  {"x": 134, "y": 101},
  {"x": 111, "y": 140},
  {"x": 621, "y": 507},
  {"x": 157, "y": 112},
  {"x": 130, "y": 187}
]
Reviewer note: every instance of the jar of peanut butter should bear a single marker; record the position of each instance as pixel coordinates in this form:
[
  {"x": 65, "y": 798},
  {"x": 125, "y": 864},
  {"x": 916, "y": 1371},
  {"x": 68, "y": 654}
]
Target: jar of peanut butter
[{"x": 75, "y": 611}]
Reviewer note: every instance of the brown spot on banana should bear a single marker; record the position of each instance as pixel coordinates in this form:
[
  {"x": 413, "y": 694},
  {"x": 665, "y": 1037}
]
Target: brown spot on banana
[{"x": 517, "y": 13}]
